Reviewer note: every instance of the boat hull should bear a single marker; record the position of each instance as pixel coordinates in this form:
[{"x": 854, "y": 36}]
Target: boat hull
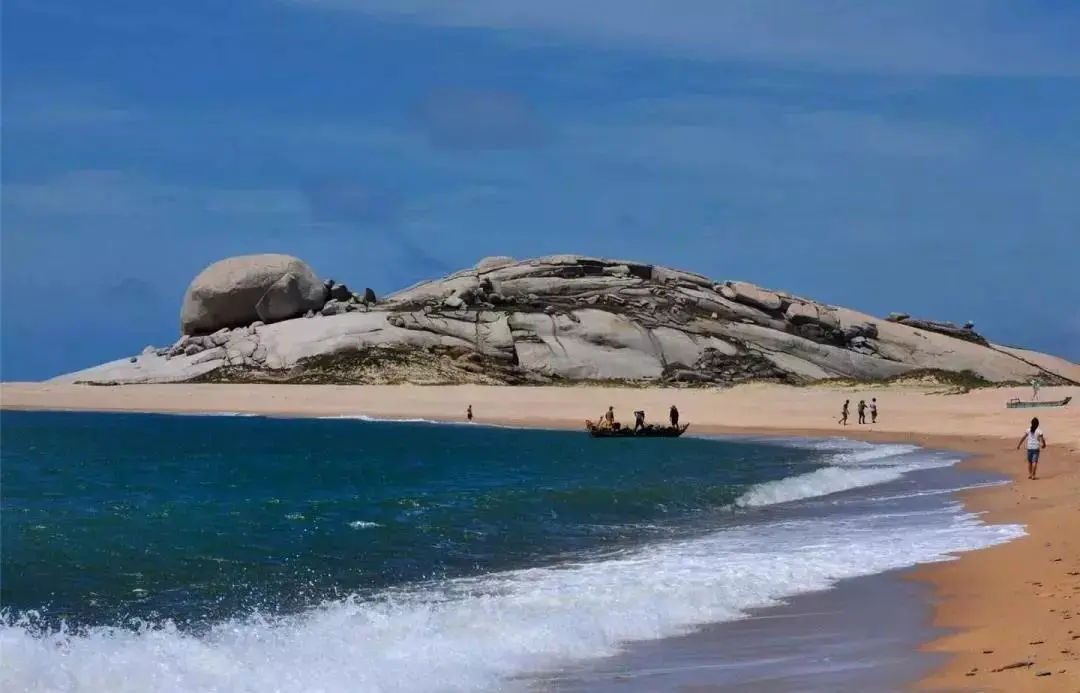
[{"x": 1035, "y": 404}]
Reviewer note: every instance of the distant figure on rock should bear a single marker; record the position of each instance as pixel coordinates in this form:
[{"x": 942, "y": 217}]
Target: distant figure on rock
[
  {"x": 862, "y": 411},
  {"x": 873, "y": 410},
  {"x": 639, "y": 420},
  {"x": 673, "y": 415},
  {"x": 844, "y": 412},
  {"x": 468, "y": 413}
]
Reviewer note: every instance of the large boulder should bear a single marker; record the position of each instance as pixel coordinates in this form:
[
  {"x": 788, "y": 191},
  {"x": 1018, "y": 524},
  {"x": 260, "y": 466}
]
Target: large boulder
[{"x": 238, "y": 291}]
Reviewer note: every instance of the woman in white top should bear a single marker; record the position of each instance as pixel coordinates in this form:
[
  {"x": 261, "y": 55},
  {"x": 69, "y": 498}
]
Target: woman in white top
[{"x": 1035, "y": 442}]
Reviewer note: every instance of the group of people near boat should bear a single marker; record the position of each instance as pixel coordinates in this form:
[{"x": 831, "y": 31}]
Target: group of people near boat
[{"x": 608, "y": 422}]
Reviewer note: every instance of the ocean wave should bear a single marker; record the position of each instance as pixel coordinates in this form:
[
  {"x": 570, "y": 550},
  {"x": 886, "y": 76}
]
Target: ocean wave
[
  {"x": 491, "y": 632},
  {"x": 376, "y": 419},
  {"x": 439, "y": 422},
  {"x": 820, "y": 482},
  {"x": 482, "y": 633},
  {"x": 243, "y": 414},
  {"x": 850, "y": 464}
]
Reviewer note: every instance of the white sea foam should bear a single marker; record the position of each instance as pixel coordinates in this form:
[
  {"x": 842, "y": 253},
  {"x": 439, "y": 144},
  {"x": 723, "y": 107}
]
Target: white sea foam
[
  {"x": 849, "y": 465},
  {"x": 936, "y": 491},
  {"x": 374, "y": 419},
  {"x": 441, "y": 422},
  {"x": 214, "y": 413},
  {"x": 820, "y": 482},
  {"x": 476, "y": 634},
  {"x": 482, "y": 633},
  {"x": 362, "y": 524}
]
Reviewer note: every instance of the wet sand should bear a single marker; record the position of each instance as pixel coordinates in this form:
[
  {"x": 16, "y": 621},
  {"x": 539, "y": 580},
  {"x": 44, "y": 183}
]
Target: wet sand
[{"x": 1012, "y": 610}]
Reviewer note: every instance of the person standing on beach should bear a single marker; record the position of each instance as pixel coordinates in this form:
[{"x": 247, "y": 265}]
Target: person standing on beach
[
  {"x": 1036, "y": 441},
  {"x": 873, "y": 410},
  {"x": 844, "y": 412},
  {"x": 862, "y": 411},
  {"x": 673, "y": 414},
  {"x": 468, "y": 413}
]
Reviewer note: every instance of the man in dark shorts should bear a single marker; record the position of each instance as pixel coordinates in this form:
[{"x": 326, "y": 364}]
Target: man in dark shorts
[
  {"x": 673, "y": 414},
  {"x": 862, "y": 411}
]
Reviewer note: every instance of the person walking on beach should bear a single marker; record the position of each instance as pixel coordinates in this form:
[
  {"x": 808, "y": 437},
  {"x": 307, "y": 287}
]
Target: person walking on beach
[
  {"x": 468, "y": 413},
  {"x": 673, "y": 415},
  {"x": 1035, "y": 388},
  {"x": 862, "y": 411},
  {"x": 1036, "y": 441},
  {"x": 844, "y": 412},
  {"x": 873, "y": 410}
]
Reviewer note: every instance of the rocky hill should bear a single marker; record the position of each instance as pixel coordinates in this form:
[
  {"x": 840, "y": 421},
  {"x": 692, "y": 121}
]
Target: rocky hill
[{"x": 269, "y": 318}]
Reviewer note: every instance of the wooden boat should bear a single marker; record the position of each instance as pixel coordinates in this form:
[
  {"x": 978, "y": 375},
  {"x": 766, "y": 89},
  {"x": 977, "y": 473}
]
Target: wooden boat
[
  {"x": 625, "y": 432},
  {"x": 1017, "y": 403}
]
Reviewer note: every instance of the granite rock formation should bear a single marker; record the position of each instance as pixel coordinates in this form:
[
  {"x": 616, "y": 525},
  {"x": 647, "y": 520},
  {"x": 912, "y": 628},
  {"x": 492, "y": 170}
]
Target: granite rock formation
[
  {"x": 237, "y": 291},
  {"x": 551, "y": 319}
]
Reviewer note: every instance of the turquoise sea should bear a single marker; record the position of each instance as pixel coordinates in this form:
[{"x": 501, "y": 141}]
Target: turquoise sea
[{"x": 148, "y": 552}]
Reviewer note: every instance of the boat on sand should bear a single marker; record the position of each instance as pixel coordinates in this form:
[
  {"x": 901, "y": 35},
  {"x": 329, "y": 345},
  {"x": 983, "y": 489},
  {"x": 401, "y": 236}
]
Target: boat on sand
[{"x": 1017, "y": 403}]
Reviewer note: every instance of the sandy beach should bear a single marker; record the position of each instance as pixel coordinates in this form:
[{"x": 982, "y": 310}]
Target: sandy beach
[{"x": 1013, "y": 611}]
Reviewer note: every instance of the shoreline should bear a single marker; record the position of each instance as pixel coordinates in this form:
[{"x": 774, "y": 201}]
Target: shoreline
[
  {"x": 780, "y": 649},
  {"x": 1007, "y": 611}
]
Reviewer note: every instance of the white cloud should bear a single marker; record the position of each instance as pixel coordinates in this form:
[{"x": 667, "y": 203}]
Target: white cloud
[
  {"x": 46, "y": 107},
  {"x": 932, "y": 37},
  {"x": 100, "y": 225},
  {"x": 769, "y": 142},
  {"x": 111, "y": 193},
  {"x": 86, "y": 193}
]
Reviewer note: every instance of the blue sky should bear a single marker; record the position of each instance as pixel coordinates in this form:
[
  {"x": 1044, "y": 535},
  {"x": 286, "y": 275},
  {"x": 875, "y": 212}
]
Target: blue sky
[{"x": 921, "y": 156}]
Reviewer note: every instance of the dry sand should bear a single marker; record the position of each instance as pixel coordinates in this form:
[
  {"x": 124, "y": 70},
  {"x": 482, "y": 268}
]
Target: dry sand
[{"x": 1014, "y": 609}]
